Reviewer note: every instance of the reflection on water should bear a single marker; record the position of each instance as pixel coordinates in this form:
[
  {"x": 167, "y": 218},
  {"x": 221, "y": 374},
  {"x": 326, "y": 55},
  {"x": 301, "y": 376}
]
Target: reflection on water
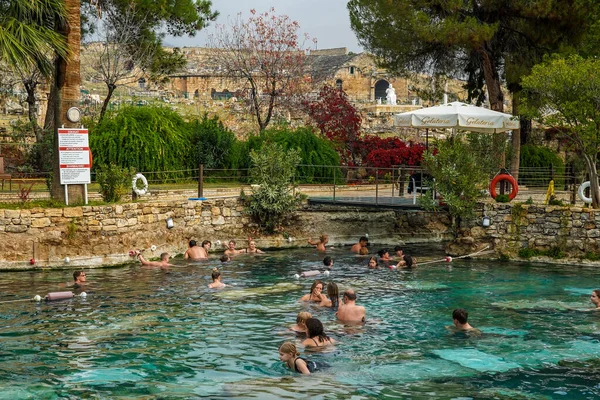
[{"x": 148, "y": 333}]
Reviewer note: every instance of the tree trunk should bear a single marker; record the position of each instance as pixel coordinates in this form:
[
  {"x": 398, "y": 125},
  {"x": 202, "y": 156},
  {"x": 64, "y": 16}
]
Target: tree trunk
[
  {"x": 67, "y": 82},
  {"x": 495, "y": 96},
  {"x": 31, "y": 102},
  {"x": 590, "y": 163},
  {"x": 516, "y": 139},
  {"x": 111, "y": 90}
]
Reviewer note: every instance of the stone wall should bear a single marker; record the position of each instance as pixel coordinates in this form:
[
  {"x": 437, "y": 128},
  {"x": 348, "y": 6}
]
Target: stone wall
[
  {"x": 573, "y": 230},
  {"x": 103, "y": 235}
]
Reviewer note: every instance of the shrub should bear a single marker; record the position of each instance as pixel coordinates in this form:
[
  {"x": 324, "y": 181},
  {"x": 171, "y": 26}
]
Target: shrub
[
  {"x": 536, "y": 163},
  {"x": 502, "y": 198},
  {"x": 211, "y": 143},
  {"x": 114, "y": 181},
  {"x": 526, "y": 252},
  {"x": 272, "y": 170},
  {"x": 151, "y": 138}
]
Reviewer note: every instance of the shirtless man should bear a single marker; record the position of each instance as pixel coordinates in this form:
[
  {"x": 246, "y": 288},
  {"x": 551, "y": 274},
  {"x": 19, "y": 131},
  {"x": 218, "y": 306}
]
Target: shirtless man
[
  {"x": 194, "y": 252},
  {"x": 349, "y": 311},
  {"x": 231, "y": 250},
  {"x": 163, "y": 263},
  {"x": 460, "y": 318},
  {"x": 362, "y": 242}
]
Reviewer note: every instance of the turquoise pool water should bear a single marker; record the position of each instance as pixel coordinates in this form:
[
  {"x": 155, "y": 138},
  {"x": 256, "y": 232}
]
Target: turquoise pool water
[{"x": 145, "y": 333}]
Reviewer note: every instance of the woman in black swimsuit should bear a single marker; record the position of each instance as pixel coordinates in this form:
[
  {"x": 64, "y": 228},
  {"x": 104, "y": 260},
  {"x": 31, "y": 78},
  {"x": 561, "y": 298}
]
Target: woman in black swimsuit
[
  {"x": 289, "y": 355},
  {"x": 316, "y": 335}
]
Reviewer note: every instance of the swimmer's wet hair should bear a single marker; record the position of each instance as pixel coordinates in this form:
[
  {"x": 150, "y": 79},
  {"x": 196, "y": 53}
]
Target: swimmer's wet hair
[
  {"x": 363, "y": 239},
  {"x": 324, "y": 238},
  {"x": 461, "y": 315},
  {"x": 192, "y": 243},
  {"x": 363, "y": 251},
  {"x": 215, "y": 273},
  {"x": 225, "y": 258},
  {"x": 76, "y": 274},
  {"x": 382, "y": 252},
  {"x": 303, "y": 316},
  {"x": 164, "y": 256},
  {"x": 206, "y": 242},
  {"x": 327, "y": 261},
  {"x": 289, "y": 348},
  {"x": 409, "y": 260},
  {"x": 350, "y": 294},
  {"x": 398, "y": 248}
]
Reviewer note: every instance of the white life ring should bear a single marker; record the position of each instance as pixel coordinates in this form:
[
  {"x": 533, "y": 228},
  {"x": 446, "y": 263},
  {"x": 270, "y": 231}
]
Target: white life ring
[
  {"x": 581, "y": 192},
  {"x": 138, "y": 191}
]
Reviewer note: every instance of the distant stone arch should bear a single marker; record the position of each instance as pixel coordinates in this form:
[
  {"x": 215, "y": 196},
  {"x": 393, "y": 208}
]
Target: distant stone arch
[
  {"x": 338, "y": 84},
  {"x": 380, "y": 88}
]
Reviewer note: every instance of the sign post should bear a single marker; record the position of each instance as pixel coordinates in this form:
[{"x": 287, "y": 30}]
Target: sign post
[{"x": 75, "y": 158}]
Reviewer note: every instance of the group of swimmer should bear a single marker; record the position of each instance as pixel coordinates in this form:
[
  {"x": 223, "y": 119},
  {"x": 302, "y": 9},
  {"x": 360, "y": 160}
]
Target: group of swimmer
[{"x": 311, "y": 330}]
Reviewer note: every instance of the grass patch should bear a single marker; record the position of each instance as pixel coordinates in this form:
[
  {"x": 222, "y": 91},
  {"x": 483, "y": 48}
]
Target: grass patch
[{"x": 554, "y": 252}]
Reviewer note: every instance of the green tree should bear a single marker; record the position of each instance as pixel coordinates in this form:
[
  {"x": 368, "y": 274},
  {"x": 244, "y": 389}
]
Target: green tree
[
  {"x": 565, "y": 94},
  {"x": 490, "y": 42},
  {"x": 461, "y": 174},
  {"x": 272, "y": 172}
]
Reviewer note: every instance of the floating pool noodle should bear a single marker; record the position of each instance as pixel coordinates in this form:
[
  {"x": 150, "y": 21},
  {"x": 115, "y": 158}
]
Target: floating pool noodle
[
  {"x": 59, "y": 296},
  {"x": 310, "y": 273}
]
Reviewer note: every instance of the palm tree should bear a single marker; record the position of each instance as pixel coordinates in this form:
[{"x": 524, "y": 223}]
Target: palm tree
[{"x": 27, "y": 33}]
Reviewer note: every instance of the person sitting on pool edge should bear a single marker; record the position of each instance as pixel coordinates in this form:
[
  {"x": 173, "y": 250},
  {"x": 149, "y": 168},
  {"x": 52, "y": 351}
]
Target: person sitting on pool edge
[
  {"x": 194, "y": 252},
  {"x": 315, "y": 333},
  {"x": 460, "y": 318},
  {"x": 300, "y": 327},
  {"x": 315, "y": 293},
  {"x": 163, "y": 263},
  {"x": 328, "y": 262},
  {"x": 362, "y": 242},
  {"x": 323, "y": 240},
  {"x": 216, "y": 277},
  {"x": 291, "y": 357},
  {"x": 349, "y": 311},
  {"x": 595, "y": 299}
]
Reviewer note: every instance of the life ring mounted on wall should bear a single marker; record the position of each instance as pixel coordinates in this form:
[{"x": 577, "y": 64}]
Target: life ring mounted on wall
[
  {"x": 134, "y": 186},
  {"x": 581, "y": 192},
  {"x": 504, "y": 177}
]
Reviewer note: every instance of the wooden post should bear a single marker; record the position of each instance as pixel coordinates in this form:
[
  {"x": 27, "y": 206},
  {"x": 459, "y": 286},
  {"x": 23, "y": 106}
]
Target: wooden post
[{"x": 201, "y": 181}]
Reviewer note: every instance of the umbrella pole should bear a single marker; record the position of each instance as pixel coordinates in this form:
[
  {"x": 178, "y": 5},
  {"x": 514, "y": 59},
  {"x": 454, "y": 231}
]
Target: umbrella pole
[{"x": 427, "y": 139}]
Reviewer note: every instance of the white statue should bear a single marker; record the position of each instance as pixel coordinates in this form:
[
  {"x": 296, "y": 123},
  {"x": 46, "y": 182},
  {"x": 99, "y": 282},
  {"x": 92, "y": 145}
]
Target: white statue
[{"x": 390, "y": 95}]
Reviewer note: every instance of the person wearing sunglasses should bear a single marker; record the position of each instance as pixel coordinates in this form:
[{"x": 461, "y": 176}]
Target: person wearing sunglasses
[{"x": 79, "y": 278}]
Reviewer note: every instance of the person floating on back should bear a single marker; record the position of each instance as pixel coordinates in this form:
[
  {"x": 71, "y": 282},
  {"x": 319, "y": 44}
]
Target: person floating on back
[
  {"x": 362, "y": 242},
  {"x": 323, "y": 240}
]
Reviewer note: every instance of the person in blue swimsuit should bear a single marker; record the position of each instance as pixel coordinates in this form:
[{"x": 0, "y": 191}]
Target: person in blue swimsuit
[{"x": 291, "y": 357}]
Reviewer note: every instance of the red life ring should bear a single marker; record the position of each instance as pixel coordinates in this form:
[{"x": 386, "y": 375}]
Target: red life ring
[{"x": 504, "y": 177}]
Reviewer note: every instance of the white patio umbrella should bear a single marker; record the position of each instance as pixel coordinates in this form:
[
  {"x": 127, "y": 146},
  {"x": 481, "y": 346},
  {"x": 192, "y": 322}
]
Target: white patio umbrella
[{"x": 460, "y": 116}]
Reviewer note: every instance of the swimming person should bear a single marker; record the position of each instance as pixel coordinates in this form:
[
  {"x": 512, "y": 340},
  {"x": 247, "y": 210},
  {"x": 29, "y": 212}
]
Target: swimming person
[
  {"x": 232, "y": 251},
  {"x": 328, "y": 262},
  {"x": 398, "y": 251},
  {"x": 334, "y": 296},
  {"x": 225, "y": 258},
  {"x": 252, "y": 248},
  {"x": 206, "y": 245},
  {"x": 384, "y": 255},
  {"x": 349, "y": 311},
  {"x": 460, "y": 319},
  {"x": 291, "y": 357},
  {"x": 372, "y": 263},
  {"x": 316, "y": 334},
  {"x": 407, "y": 262},
  {"x": 163, "y": 263},
  {"x": 323, "y": 240},
  {"x": 595, "y": 299},
  {"x": 363, "y": 251},
  {"x": 194, "y": 252},
  {"x": 362, "y": 242},
  {"x": 300, "y": 327},
  {"x": 315, "y": 292},
  {"x": 79, "y": 278},
  {"x": 216, "y": 277}
]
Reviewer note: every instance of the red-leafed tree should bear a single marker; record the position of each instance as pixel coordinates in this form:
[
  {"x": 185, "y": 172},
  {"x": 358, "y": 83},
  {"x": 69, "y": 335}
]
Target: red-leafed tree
[
  {"x": 339, "y": 121},
  {"x": 267, "y": 52},
  {"x": 385, "y": 153}
]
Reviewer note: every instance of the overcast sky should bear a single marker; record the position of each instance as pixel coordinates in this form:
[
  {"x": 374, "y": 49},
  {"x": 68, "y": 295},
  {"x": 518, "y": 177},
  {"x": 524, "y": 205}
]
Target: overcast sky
[{"x": 326, "y": 20}]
